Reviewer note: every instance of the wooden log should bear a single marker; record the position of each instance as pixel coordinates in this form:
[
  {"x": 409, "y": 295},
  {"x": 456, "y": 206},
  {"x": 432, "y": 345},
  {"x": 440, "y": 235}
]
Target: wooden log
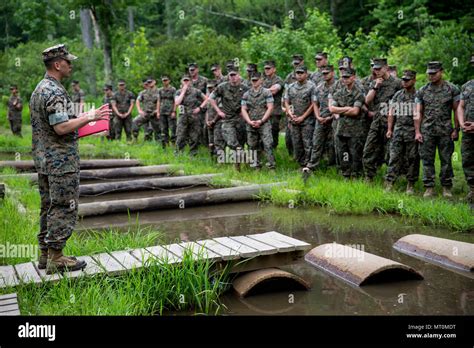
[
  {"x": 232, "y": 194},
  {"x": 357, "y": 267},
  {"x": 441, "y": 251},
  {"x": 85, "y": 164},
  {"x": 111, "y": 173},
  {"x": 145, "y": 184}
]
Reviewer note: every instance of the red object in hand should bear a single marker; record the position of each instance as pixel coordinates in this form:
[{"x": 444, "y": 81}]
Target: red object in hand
[{"x": 93, "y": 127}]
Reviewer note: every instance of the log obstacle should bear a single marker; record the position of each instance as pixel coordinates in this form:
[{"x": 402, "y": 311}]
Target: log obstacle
[
  {"x": 240, "y": 253},
  {"x": 226, "y": 195},
  {"x": 268, "y": 279},
  {"x": 445, "y": 252},
  {"x": 146, "y": 184},
  {"x": 111, "y": 173},
  {"x": 357, "y": 267},
  {"x": 9, "y": 305},
  {"x": 85, "y": 164}
]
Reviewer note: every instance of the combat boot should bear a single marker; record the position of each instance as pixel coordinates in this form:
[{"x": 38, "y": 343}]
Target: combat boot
[
  {"x": 43, "y": 259},
  {"x": 388, "y": 186},
  {"x": 410, "y": 189},
  {"x": 58, "y": 263},
  {"x": 447, "y": 192},
  {"x": 429, "y": 192}
]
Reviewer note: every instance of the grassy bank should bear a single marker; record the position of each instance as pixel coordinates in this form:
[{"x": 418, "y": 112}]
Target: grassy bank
[{"x": 325, "y": 188}]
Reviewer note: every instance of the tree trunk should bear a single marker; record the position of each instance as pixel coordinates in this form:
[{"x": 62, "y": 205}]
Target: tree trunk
[
  {"x": 90, "y": 59},
  {"x": 103, "y": 15}
]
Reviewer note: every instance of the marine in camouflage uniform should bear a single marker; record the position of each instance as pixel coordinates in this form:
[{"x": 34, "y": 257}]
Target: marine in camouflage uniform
[
  {"x": 323, "y": 137},
  {"x": 147, "y": 100},
  {"x": 274, "y": 83},
  {"x": 167, "y": 114},
  {"x": 213, "y": 124},
  {"x": 435, "y": 102},
  {"x": 347, "y": 103},
  {"x": 230, "y": 95},
  {"x": 257, "y": 105},
  {"x": 15, "y": 107},
  {"x": 403, "y": 146},
  {"x": 217, "y": 72},
  {"x": 381, "y": 92},
  {"x": 55, "y": 153},
  {"x": 190, "y": 102},
  {"x": 78, "y": 97},
  {"x": 122, "y": 103},
  {"x": 298, "y": 101},
  {"x": 108, "y": 95},
  {"x": 466, "y": 121},
  {"x": 199, "y": 82}
]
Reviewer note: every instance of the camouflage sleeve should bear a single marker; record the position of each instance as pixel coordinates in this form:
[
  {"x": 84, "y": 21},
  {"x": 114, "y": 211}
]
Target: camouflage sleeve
[
  {"x": 285, "y": 94},
  {"x": 82, "y": 95},
  {"x": 56, "y": 108},
  {"x": 456, "y": 93},
  {"x": 20, "y": 102},
  {"x": 333, "y": 96},
  {"x": 359, "y": 100},
  {"x": 178, "y": 92},
  {"x": 268, "y": 97},
  {"x": 465, "y": 91},
  {"x": 244, "y": 99},
  {"x": 216, "y": 93},
  {"x": 140, "y": 96},
  {"x": 113, "y": 100},
  {"x": 395, "y": 98},
  {"x": 419, "y": 96},
  {"x": 131, "y": 96}
]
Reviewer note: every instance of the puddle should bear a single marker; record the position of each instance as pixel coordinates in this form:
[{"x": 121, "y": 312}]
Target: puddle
[{"x": 442, "y": 292}]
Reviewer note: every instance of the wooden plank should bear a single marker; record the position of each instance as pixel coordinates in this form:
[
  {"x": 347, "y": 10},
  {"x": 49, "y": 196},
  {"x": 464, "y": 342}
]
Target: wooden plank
[
  {"x": 161, "y": 254},
  {"x": 280, "y": 246},
  {"x": 8, "y": 276},
  {"x": 27, "y": 273},
  {"x": 92, "y": 268},
  {"x": 126, "y": 260},
  {"x": 263, "y": 249},
  {"x": 224, "y": 252},
  {"x": 175, "y": 249},
  {"x": 299, "y": 245},
  {"x": 7, "y": 297},
  {"x": 242, "y": 249},
  {"x": 8, "y": 308},
  {"x": 142, "y": 255},
  {"x": 8, "y": 302},
  {"x": 200, "y": 252},
  {"x": 108, "y": 263},
  {"x": 17, "y": 312},
  {"x": 47, "y": 277}
]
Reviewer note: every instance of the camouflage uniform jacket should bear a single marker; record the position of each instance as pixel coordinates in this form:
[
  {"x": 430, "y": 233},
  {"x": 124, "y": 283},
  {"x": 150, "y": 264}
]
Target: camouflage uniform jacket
[
  {"x": 349, "y": 126},
  {"x": 148, "y": 99},
  {"x": 14, "y": 111},
  {"x": 269, "y": 82},
  {"x": 403, "y": 105},
  {"x": 230, "y": 97},
  {"x": 256, "y": 102},
  {"x": 200, "y": 83},
  {"x": 321, "y": 94},
  {"x": 437, "y": 104},
  {"x": 50, "y": 105},
  {"x": 381, "y": 101},
  {"x": 78, "y": 96},
  {"x": 300, "y": 97},
  {"x": 123, "y": 100},
  {"x": 192, "y": 99},
  {"x": 166, "y": 98},
  {"x": 467, "y": 95}
]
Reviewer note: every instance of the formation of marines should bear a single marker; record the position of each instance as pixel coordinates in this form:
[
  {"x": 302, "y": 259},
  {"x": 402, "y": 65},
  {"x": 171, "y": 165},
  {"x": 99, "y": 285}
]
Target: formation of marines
[{"x": 356, "y": 124}]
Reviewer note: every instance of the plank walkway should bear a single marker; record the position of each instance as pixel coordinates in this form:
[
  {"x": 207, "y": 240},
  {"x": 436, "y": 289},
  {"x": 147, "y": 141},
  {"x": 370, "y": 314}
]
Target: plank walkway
[
  {"x": 9, "y": 305},
  {"x": 269, "y": 249}
]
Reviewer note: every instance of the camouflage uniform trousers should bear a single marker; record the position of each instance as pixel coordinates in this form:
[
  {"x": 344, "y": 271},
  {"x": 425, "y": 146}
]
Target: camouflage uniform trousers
[
  {"x": 262, "y": 135},
  {"x": 242, "y": 132},
  {"x": 143, "y": 121},
  {"x": 230, "y": 130},
  {"x": 404, "y": 153},
  {"x": 123, "y": 123},
  {"x": 59, "y": 206},
  {"x": 323, "y": 139},
  {"x": 203, "y": 137},
  {"x": 15, "y": 126},
  {"x": 336, "y": 144},
  {"x": 445, "y": 146},
  {"x": 111, "y": 135},
  {"x": 167, "y": 125},
  {"x": 302, "y": 139},
  {"x": 188, "y": 132},
  {"x": 275, "y": 120},
  {"x": 467, "y": 151},
  {"x": 376, "y": 147},
  {"x": 288, "y": 142},
  {"x": 216, "y": 139},
  {"x": 350, "y": 155}
]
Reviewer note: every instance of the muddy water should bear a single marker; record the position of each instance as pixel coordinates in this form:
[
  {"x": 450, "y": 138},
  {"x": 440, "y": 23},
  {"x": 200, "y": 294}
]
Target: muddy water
[{"x": 441, "y": 292}]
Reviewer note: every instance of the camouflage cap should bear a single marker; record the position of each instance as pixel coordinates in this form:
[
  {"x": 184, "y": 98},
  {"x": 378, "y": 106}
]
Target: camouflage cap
[
  {"x": 379, "y": 63},
  {"x": 269, "y": 64},
  {"x": 215, "y": 66},
  {"x": 348, "y": 72},
  {"x": 233, "y": 69},
  {"x": 229, "y": 63},
  {"x": 13, "y": 87},
  {"x": 327, "y": 69},
  {"x": 301, "y": 68},
  {"x": 150, "y": 79},
  {"x": 297, "y": 58},
  {"x": 433, "y": 67},
  {"x": 392, "y": 67},
  {"x": 107, "y": 86},
  {"x": 186, "y": 77},
  {"x": 256, "y": 76},
  {"x": 408, "y": 74},
  {"x": 211, "y": 83},
  {"x": 252, "y": 67},
  {"x": 58, "y": 51},
  {"x": 320, "y": 55},
  {"x": 165, "y": 77},
  {"x": 193, "y": 65},
  {"x": 344, "y": 62},
  {"x": 121, "y": 82}
]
